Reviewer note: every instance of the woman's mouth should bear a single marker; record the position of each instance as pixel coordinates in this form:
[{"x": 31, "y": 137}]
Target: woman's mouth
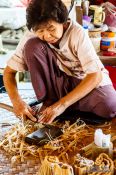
[{"x": 53, "y": 41}]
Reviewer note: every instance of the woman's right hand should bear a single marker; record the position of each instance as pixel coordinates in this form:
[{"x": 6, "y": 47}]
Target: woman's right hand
[{"x": 22, "y": 110}]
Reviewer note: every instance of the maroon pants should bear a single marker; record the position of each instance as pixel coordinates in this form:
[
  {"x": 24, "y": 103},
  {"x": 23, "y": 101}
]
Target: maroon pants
[{"x": 51, "y": 84}]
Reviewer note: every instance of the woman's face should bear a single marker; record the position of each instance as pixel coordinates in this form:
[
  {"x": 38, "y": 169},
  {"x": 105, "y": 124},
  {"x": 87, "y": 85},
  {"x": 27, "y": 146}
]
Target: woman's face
[{"x": 50, "y": 32}]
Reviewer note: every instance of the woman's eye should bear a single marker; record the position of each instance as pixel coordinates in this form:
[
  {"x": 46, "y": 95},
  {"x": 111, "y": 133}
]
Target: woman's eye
[
  {"x": 51, "y": 30},
  {"x": 40, "y": 33}
]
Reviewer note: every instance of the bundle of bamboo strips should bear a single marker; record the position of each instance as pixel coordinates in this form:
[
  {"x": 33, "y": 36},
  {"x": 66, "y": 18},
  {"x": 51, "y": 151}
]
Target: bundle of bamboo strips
[
  {"x": 51, "y": 165},
  {"x": 105, "y": 164},
  {"x": 82, "y": 165}
]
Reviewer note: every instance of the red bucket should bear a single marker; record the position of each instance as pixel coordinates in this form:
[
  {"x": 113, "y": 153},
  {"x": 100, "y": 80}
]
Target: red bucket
[{"x": 112, "y": 74}]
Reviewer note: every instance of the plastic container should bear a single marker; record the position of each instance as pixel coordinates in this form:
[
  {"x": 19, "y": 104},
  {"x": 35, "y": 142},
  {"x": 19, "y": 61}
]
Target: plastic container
[
  {"x": 108, "y": 43},
  {"x": 95, "y": 33},
  {"x": 108, "y": 40},
  {"x": 112, "y": 74}
]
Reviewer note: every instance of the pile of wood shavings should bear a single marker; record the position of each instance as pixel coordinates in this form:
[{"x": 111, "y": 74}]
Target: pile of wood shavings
[
  {"x": 74, "y": 137},
  {"x": 13, "y": 141}
]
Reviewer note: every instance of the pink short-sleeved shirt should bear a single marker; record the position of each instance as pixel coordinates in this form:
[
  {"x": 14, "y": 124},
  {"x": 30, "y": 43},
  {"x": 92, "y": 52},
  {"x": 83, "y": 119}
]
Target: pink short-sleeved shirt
[{"x": 76, "y": 55}]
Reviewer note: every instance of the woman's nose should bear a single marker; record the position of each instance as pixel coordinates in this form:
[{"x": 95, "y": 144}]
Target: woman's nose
[{"x": 47, "y": 35}]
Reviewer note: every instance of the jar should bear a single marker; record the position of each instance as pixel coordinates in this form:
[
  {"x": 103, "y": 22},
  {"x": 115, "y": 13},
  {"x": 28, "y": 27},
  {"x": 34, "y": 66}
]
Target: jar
[
  {"x": 95, "y": 36},
  {"x": 96, "y": 43},
  {"x": 108, "y": 40}
]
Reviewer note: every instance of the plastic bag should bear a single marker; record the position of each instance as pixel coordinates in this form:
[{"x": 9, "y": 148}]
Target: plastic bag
[{"x": 110, "y": 11}]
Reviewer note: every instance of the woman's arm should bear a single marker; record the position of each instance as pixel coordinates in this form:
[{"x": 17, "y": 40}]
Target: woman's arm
[
  {"x": 85, "y": 87},
  {"x": 21, "y": 109}
]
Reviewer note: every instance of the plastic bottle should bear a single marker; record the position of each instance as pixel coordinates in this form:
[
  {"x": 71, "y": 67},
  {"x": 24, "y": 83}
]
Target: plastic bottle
[
  {"x": 98, "y": 136},
  {"x": 86, "y": 21}
]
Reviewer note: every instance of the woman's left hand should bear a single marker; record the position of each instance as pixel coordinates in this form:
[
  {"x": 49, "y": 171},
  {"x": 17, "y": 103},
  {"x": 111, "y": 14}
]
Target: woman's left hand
[{"x": 51, "y": 112}]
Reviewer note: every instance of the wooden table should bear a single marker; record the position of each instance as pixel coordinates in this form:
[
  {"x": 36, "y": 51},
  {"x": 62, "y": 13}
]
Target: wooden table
[{"x": 108, "y": 60}]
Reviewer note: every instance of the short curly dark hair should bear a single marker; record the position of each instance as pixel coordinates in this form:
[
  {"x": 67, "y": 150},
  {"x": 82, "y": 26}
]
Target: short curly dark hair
[{"x": 40, "y": 11}]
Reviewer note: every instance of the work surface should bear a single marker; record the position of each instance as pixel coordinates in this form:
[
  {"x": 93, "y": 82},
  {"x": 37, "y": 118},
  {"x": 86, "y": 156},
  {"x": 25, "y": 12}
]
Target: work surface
[
  {"x": 31, "y": 164},
  {"x": 108, "y": 60}
]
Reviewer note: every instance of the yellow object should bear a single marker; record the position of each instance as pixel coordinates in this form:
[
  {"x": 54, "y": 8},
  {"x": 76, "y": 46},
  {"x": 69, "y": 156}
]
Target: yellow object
[{"x": 97, "y": 14}]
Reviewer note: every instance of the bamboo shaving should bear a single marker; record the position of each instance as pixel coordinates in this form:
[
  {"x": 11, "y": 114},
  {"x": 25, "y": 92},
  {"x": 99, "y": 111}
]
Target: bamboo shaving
[
  {"x": 13, "y": 141},
  {"x": 74, "y": 138},
  {"x": 70, "y": 142}
]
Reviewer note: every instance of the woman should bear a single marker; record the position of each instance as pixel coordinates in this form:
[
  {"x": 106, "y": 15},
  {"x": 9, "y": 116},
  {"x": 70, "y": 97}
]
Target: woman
[{"x": 65, "y": 70}]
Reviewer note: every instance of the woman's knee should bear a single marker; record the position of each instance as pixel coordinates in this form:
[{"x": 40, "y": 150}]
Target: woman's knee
[
  {"x": 106, "y": 108},
  {"x": 34, "y": 45},
  {"x": 104, "y": 103}
]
